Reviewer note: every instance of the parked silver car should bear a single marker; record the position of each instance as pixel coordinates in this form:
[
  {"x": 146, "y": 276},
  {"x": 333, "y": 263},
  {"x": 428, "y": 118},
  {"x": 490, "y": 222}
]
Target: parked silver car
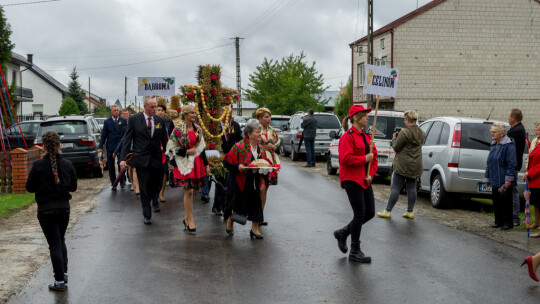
[
  {"x": 454, "y": 157},
  {"x": 326, "y": 122}
]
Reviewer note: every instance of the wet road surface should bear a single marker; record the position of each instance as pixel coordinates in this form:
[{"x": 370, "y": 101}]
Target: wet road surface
[{"x": 114, "y": 258}]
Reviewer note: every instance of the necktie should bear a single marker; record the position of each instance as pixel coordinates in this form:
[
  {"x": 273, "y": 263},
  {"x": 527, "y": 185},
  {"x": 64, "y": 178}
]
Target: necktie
[{"x": 149, "y": 126}]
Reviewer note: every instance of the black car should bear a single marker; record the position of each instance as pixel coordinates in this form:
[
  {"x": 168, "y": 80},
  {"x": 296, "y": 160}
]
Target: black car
[
  {"x": 13, "y": 138},
  {"x": 79, "y": 137}
]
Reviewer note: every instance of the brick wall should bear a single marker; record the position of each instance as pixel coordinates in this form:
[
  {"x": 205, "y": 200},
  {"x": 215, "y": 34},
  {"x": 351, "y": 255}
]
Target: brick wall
[
  {"x": 463, "y": 58},
  {"x": 21, "y": 164}
]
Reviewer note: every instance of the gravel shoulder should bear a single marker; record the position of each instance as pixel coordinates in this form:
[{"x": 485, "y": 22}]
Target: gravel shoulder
[
  {"x": 23, "y": 247},
  {"x": 464, "y": 220}
]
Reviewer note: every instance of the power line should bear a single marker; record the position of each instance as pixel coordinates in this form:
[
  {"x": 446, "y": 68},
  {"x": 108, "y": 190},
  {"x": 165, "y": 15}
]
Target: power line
[
  {"x": 267, "y": 19},
  {"x": 142, "y": 62},
  {"x": 357, "y": 17},
  {"x": 260, "y": 17},
  {"x": 24, "y": 3}
]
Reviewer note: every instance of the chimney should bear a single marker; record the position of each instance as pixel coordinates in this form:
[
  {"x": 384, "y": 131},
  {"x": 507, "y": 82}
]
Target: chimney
[{"x": 30, "y": 57}]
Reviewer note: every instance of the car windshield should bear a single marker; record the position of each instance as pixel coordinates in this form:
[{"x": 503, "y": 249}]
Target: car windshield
[
  {"x": 25, "y": 127},
  {"x": 327, "y": 122},
  {"x": 386, "y": 126},
  {"x": 241, "y": 119},
  {"x": 279, "y": 123},
  {"x": 64, "y": 127}
]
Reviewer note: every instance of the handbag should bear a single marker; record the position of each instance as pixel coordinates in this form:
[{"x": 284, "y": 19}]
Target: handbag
[
  {"x": 172, "y": 180},
  {"x": 238, "y": 218}
]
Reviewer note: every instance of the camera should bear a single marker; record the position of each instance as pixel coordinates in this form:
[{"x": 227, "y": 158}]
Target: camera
[{"x": 397, "y": 129}]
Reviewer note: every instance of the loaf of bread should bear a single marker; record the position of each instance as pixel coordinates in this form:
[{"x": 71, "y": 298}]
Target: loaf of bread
[{"x": 260, "y": 163}]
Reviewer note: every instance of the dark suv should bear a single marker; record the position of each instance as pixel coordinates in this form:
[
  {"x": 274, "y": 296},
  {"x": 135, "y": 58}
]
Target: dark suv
[
  {"x": 79, "y": 136},
  {"x": 13, "y": 135}
]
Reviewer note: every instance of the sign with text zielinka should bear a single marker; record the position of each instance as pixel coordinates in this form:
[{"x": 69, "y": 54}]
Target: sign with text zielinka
[
  {"x": 381, "y": 80},
  {"x": 156, "y": 86}
]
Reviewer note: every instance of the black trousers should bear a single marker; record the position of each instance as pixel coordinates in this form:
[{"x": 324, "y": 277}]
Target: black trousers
[
  {"x": 112, "y": 166},
  {"x": 54, "y": 224},
  {"x": 149, "y": 184},
  {"x": 363, "y": 205},
  {"x": 503, "y": 206}
]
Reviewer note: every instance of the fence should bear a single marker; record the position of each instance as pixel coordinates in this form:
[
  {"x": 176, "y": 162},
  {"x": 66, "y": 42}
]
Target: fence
[
  {"x": 35, "y": 116},
  {"x": 15, "y": 166}
]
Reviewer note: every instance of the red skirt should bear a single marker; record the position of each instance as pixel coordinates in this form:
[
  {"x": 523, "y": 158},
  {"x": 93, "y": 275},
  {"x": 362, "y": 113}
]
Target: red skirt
[{"x": 194, "y": 179}]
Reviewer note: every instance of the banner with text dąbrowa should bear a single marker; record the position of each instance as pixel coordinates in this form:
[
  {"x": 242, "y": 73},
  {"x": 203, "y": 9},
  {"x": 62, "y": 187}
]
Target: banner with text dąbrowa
[{"x": 156, "y": 86}]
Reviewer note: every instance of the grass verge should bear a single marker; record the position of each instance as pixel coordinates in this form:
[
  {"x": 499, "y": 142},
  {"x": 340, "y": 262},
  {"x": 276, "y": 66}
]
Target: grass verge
[{"x": 12, "y": 202}]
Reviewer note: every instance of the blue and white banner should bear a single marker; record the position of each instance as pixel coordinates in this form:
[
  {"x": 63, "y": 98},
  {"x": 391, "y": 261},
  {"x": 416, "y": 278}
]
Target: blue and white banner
[{"x": 381, "y": 81}]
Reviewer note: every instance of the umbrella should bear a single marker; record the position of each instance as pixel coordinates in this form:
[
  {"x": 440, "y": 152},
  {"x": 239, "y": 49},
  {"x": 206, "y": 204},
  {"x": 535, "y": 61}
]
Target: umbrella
[
  {"x": 527, "y": 195},
  {"x": 122, "y": 171}
]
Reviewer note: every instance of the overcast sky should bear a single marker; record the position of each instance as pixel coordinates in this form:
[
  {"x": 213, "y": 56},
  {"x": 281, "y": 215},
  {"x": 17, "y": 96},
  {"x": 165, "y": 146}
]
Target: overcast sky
[{"x": 97, "y": 35}]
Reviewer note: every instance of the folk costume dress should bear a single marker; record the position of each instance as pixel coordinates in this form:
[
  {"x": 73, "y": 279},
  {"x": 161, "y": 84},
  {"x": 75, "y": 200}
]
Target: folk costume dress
[
  {"x": 189, "y": 171},
  {"x": 246, "y": 198},
  {"x": 270, "y": 136}
]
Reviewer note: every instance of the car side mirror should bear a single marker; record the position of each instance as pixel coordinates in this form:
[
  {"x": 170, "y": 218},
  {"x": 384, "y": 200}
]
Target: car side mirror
[
  {"x": 332, "y": 134},
  {"x": 285, "y": 128}
]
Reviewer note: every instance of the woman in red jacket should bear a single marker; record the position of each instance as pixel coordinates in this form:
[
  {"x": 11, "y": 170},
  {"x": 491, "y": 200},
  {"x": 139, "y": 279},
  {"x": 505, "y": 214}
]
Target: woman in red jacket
[
  {"x": 354, "y": 159},
  {"x": 532, "y": 174}
]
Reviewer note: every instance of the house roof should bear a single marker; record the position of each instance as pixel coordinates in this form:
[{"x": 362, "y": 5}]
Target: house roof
[
  {"x": 20, "y": 60},
  {"x": 93, "y": 100},
  {"x": 402, "y": 20},
  {"x": 48, "y": 78}
]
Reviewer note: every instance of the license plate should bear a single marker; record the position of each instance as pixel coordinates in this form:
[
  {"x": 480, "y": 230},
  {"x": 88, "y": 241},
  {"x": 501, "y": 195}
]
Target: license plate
[
  {"x": 67, "y": 145},
  {"x": 483, "y": 189},
  {"x": 382, "y": 159}
]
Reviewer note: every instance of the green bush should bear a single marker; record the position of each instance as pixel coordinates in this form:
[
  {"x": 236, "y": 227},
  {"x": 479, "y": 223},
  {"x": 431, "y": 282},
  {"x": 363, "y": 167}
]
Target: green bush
[{"x": 69, "y": 107}]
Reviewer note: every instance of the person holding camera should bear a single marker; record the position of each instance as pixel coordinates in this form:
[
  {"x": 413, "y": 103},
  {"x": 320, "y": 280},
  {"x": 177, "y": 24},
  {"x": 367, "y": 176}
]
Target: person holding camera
[
  {"x": 309, "y": 124},
  {"x": 501, "y": 175},
  {"x": 407, "y": 143}
]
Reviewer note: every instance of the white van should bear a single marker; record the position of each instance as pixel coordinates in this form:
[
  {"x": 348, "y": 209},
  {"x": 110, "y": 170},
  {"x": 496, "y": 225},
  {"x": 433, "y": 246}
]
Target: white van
[{"x": 387, "y": 122}]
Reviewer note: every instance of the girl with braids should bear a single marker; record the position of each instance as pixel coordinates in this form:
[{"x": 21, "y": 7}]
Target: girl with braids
[{"x": 52, "y": 179}]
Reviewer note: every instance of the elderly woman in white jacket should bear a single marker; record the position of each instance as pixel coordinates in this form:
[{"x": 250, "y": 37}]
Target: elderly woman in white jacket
[{"x": 186, "y": 146}]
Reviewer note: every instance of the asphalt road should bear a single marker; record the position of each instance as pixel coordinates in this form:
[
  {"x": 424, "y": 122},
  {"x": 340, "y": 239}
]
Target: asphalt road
[{"x": 114, "y": 258}]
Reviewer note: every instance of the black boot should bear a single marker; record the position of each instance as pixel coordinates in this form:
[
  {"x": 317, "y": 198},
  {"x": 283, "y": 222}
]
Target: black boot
[
  {"x": 341, "y": 237},
  {"x": 356, "y": 255}
]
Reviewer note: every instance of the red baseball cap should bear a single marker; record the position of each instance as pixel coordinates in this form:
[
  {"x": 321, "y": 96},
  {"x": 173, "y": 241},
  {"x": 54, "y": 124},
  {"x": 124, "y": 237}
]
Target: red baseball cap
[{"x": 357, "y": 108}]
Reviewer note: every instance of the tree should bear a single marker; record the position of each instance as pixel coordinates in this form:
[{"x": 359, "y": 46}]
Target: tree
[
  {"x": 69, "y": 107},
  {"x": 343, "y": 102},
  {"x": 6, "y": 46},
  {"x": 287, "y": 86},
  {"x": 76, "y": 92},
  {"x": 101, "y": 111}
]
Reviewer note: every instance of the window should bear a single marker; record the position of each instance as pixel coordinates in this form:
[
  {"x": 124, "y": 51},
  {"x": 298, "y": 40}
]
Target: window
[
  {"x": 327, "y": 122},
  {"x": 386, "y": 126},
  {"x": 361, "y": 74},
  {"x": 445, "y": 135},
  {"x": 37, "y": 109},
  {"x": 433, "y": 135},
  {"x": 382, "y": 43},
  {"x": 14, "y": 76},
  {"x": 383, "y": 61},
  {"x": 65, "y": 127},
  {"x": 476, "y": 136},
  {"x": 360, "y": 49}
]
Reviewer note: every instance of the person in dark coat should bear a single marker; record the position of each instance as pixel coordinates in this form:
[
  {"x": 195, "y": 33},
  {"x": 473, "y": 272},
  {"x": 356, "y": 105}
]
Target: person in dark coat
[
  {"x": 309, "y": 133},
  {"x": 169, "y": 127},
  {"x": 147, "y": 131},
  {"x": 52, "y": 179},
  {"x": 231, "y": 136},
  {"x": 501, "y": 175},
  {"x": 518, "y": 134},
  {"x": 131, "y": 172},
  {"x": 110, "y": 137}
]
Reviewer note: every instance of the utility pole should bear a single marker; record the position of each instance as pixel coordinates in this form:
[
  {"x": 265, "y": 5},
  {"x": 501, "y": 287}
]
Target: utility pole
[
  {"x": 238, "y": 81},
  {"x": 89, "y": 96},
  {"x": 370, "y": 45},
  {"x": 125, "y": 91}
]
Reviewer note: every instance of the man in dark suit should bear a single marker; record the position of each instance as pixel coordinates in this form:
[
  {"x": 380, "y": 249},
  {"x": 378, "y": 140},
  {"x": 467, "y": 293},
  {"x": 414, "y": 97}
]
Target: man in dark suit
[
  {"x": 231, "y": 136},
  {"x": 517, "y": 133},
  {"x": 147, "y": 131},
  {"x": 110, "y": 137}
]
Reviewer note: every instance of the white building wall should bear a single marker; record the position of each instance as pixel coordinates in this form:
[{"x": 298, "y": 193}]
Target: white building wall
[
  {"x": 44, "y": 94},
  {"x": 463, "y": 58}
]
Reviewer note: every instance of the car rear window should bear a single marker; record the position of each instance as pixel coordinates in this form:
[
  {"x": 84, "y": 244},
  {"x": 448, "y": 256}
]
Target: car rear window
[
  {"x": 386, "y": 126},
  {"x": 476, "y": 136},
  {"x": 65, "y": 127},
  {"x": 327, "y": 122}
]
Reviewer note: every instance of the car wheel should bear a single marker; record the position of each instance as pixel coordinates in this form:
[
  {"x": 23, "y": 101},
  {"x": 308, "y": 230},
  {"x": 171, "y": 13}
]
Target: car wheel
[
  {"x": 97, "y": 172},
  {"x": 282, "y": 151},
  {"x": 329, "y": 169},
  {"x": 294, "y": 154},
  {"x": 438, "y": 194}
]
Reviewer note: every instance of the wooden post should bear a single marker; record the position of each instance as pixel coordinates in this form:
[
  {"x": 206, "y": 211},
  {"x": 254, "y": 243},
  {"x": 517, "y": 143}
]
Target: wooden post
[{"x": 373, "y": 132}]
